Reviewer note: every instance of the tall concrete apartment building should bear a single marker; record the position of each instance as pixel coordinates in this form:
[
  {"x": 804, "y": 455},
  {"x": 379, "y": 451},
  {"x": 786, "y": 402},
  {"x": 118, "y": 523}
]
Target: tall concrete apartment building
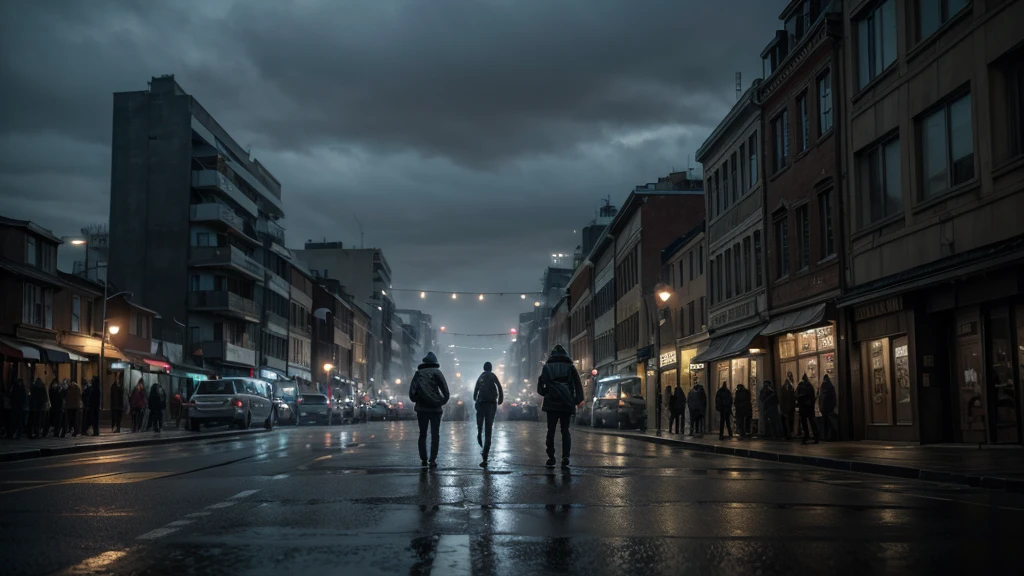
[{"x": 194, "y": 231}]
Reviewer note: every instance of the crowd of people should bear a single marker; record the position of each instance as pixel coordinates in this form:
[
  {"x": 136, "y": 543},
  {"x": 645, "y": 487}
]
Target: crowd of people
[
  {"x": 34, "y": 410},
  {"x": 788, "y": 412}
]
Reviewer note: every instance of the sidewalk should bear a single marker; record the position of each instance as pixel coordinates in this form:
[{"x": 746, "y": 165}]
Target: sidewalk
[
  {"x": 24, "y": 448},
  {"x": 997, "y": 467}
]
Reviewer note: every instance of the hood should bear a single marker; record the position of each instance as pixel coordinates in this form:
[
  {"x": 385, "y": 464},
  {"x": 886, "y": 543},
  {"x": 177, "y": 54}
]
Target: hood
[
  {"x": 487, "y": 367},
  {"x": 740, "y": 387},
  {"x": 429, "y": 361},
  {"x": 558, "y": 354}
]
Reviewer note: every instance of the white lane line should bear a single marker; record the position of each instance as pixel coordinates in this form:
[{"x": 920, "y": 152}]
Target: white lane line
[
  {"x": 197, "y": 515},
  {"x": 280, "y": 477},
  {"x": 180, "y": 523},
  {"x": 452, "y": 555},
  {"x": 220, "y": 505},
  {"x": 158, "y": 533},
  {"x": 243, "y": 494}
]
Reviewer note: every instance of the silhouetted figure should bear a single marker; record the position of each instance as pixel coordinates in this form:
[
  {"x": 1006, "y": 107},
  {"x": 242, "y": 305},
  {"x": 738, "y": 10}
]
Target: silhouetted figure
[
  {"x": 723, "y": 403},
  {"x": 787, "y": 405},
  {"x": 677, "y": 411},
  {"x": 770, "y": 408},
  {"x": 827, "y": 404},
  {"x": 744, "y": 410},
  {"x": 116, "y": 404},
  {"x": 56, "y": 421},
  {"x": 37, "y": 404},
  {"x": 805, "y": 401},
  {"x": 137, "y": 401},
  {"x": 93, "y": 405},
  {"x": 429, "y": 391},
  {"x": 487, "y": 395},
  {"x": 73, "y": 407},
  {"x": 560, "y": 385},
  {"x": 19, "y": 407},
  {"x": 697, "y": 400}
]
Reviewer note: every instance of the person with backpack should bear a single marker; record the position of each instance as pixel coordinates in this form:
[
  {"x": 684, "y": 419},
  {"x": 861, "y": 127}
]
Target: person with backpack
[
  {"x": 677, "y": 411},
  {"x": 487, "y": 395},
  {"x": 560, "y": 385},
  {"x": 429, "y": 392}
]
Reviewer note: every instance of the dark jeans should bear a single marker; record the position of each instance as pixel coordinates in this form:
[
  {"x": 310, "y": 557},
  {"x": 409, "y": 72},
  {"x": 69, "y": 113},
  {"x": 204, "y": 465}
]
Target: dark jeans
[
  {"x": 725, "y": 420},
  {"x": 743, "y": 423},
  {"x": 675, "y": 422},
  {"x": 772, "y": 425},
  {"x": 137, "y": 419},
  {"x": 807, "y": 418},
  {"x": 36, "y": 421},
  {"x": 788, "y": 423},
  {"x": 484, "y": 423},
  {"x": 430, "y": 420},
  {"x": 57, "y": 422},
  {"x": 696, "y": 423},
  {"x": 93, "y": 417},
  {"x": 115, "y": 419},
  {"x": 156, "y": 420},
  {"x": 73, "y": 424},
  {"x": 20, "y": 419},
  {"x": 826, "y": 426},
  {"x": 562, "y": 419}
]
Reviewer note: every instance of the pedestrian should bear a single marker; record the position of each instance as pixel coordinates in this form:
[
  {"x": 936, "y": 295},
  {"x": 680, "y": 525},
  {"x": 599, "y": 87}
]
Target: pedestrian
[
  {"x": 138, "y": 405},
  {"x": 677, "y": 411},
  {"x": 560, "y": 385},
  {"x": 805, "y": 402},
  {"x": 827, "y": 404},
  {"x": 94, "y": 404},
  {"x": 37, "y": 408},
  {"x": 429, "y": 392},
  {"x": 744, "y": 410},
  {"x": 770, "y": 408},
  {"x": 73, "y": 407},
  {"x": 19, "y": 407},
  {"x": 56, "y": 410},
  {"x": 157, "y": 402},
  {"x": 487, "y": 395},
  {"x": 697, "y": 403},
  {"x": 787, "y": 406},
  {"x": 116, "y": 404},
  {"x": 723, "y": 404}
]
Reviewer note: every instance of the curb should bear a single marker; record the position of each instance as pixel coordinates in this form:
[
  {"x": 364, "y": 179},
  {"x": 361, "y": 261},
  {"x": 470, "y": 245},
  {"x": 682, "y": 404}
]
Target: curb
[
  {"x": 905, "y": 472},
  {"x": 99, "y": 447}
]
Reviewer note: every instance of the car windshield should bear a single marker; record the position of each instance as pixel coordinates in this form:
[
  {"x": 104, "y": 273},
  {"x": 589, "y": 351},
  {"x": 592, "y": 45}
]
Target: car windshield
[
  {"x": 608, "y": 390},
  {"x": 286, "y": 394},
  {"x": 314, "y": 399},
  {"x": 216, "y": 387}
]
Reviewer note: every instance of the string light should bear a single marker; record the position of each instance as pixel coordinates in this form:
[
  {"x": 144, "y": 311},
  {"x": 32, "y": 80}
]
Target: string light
[
  {"x": 522, "y": 296},
  {"x": 481, "y": 297},
  {"x": 423, "y": 294},
  {"x": 455, "y": 296}
]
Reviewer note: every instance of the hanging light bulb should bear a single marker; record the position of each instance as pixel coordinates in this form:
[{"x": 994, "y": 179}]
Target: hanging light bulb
[
  {"x": 536, "y": 304},
  {"x": 455, "y": 296},
  {"x": 423, "y": 294},
  {"x": 522, "y": 296},
  {"x": 481, "y": 297}
]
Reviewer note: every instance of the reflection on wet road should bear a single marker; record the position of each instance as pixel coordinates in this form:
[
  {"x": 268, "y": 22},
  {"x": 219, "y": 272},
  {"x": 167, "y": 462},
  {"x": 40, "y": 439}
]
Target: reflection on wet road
[{"x": 352, "y": 499}]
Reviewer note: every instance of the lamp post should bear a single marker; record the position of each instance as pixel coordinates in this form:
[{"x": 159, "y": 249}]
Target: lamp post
[
  {"x": 664, "y": 294},
  {"x": 113, "y": 329}
]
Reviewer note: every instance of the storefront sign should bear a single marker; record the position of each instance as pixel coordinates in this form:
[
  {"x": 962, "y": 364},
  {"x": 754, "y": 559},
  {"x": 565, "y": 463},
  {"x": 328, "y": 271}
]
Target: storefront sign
[
  {"x": 119, "y": 365},
  {"x": 698, "y": 366},
  {"x": 900, "y": 351},
  {"x": 732, "y": 314},
  {"x": 668, "y": 358},
  {"x": 881, "y": 308},
  {"x": 967, "y": 329},
  {"x": 196, "y": 377}
]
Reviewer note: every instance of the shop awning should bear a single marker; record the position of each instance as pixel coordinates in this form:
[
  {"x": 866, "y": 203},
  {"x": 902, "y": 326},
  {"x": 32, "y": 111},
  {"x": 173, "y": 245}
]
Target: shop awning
[
  {"x": 793, "y": 321},
  {"x": 21, "y": 349},
  {"x": 54, "y": 354},
  {"x": 144, "y": 359},
  {"x": 728, "y": 345},
  {"x": 190, "y": 370}
]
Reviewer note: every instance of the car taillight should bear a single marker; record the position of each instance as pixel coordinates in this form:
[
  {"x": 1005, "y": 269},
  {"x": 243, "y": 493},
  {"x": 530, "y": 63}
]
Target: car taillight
[
  {"x": 514, "y": 405},
  {"x": 236, "y": 403},
  {"x": 622, "y": 403},
  {"x": 298, "y": 401}
]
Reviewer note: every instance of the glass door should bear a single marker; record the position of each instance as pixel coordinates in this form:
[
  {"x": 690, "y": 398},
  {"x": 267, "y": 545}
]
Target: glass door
[
  {"x": 1002, "y": 387},
  {"x": 972, "y": 402}
]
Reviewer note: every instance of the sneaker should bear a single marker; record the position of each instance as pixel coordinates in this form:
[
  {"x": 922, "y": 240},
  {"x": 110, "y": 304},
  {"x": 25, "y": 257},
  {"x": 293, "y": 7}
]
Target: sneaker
[
  {"x": 483, "y": 463},
  {"x": 423, "y": 463},
  {"x": 565, "y": 462},
  {"x": 551, "y": 462},
  {"x": 433, "y": 464}
]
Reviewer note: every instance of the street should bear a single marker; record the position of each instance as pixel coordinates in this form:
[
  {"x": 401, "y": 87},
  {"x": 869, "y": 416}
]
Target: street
[{"x": 326, "y": 500}]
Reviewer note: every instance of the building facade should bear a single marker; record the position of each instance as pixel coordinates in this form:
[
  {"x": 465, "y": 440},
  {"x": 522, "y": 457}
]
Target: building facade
[{"x": 684, "y": 333}]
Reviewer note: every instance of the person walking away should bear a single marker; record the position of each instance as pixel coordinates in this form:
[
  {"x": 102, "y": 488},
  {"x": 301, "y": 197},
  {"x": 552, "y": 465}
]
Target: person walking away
[
  {"x": 787, "y": 406},
  {"x": 770, "y": 408},
  {"x": 429, "y": 392},
  {"x": 116, "y": 404},
  {"x": 94, "y": 404},
  {"x": 744, "y": 410},
  {"x": 827, "y": 404},
  {"x": 56, "y": 410},
  {"x": 697, "y": 406},
  {"x": 805, "y": 402},
  {"x": 560, "y": 386},
  {"x": 19, "y": 407},
  {"x": 137, "y": 401},
  {"x": 723, "y": 404},
  {"x": 677, "y": 411},
  {"x": 488, "y": 395},
  {"x": 156, "y": 408},
  {"x": 73, "y": 406}
]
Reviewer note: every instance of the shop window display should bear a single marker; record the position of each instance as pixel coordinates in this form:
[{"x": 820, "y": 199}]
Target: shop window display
[
  {"x": 810, "y": 352},
  {"x": 901, "y": 366},
  {"x": 879, "y": 390}
]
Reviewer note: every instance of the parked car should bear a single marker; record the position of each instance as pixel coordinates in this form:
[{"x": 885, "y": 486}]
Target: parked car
[
  {"x": 314, "y": 409},
  {"x": 377, "y": 410},
  {"x": 618, "y": 402},
  {"x": 455, "y": 409},
  {"x": 238, "y": 402},
  {"x": 286, "y": 393},
  {"x": 343, "y": 411},
  {"x": 522, "y": 410}
]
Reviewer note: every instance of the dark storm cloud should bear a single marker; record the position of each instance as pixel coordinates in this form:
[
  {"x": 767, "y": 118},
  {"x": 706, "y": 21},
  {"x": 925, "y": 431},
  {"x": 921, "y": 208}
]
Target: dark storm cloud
[{"x": 469, "y": 138}]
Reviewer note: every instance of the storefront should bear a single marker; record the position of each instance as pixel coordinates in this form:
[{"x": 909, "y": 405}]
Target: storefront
[
  {"x": 804, "y": 343},
  {"x": 734, "y": 359}
]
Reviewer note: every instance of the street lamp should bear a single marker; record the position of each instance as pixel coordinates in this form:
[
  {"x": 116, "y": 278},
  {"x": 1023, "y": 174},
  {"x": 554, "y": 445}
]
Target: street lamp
[
  {"x": 114, "y": 330},
  {"x": 103, "y": 328},
  {"x": 664, "y": 295},
  {"x": 328, "y": 367},
  {"x": 398, "y": 381}
]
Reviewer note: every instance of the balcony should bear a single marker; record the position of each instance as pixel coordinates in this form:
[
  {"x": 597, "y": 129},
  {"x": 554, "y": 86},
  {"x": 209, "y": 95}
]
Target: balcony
[
  {"x": 278, "y": 284},
  {"x": 224, "y": 302},
  {"x": 225, "y": 257},
  {"x": 272, "y": 229},
  {"x": 227, "y": 352},
  {"x": 277, "y": 324},
  {"x": 214, "y": 180},
  {"x": 275, "y": 363},
  {"x": 219, "y": 214}
]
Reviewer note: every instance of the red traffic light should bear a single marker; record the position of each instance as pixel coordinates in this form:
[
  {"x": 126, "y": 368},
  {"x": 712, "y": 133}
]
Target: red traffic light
[
  {"x": 593, "y": 372},
  {"x": 513, "y": 331}
]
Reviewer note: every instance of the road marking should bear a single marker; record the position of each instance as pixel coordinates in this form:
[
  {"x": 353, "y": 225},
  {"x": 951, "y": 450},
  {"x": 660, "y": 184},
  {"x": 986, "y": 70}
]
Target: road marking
[
  {"x": 197, "y": 515},
  {"x": 158, "y": 533},
  {"x": 280, "y": 477},
  {"x": 220, "y": 505},
  {"x": 452, "y": 555},
  {"x": 98, "y": 562},
  {"x": 243, "y": 494},
  {"x": 179, "y": 523},
  {"x": 323, "y": 458}
]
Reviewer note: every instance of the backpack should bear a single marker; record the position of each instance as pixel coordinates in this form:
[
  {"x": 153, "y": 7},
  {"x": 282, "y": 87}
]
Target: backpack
[
  {"x": 559, "y": 388},
  {"x": 427, "y": 393}
]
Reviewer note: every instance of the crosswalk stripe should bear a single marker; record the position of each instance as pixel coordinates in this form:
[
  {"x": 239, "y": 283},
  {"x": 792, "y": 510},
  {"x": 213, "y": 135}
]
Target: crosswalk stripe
[{"x": 452, "y": 555}]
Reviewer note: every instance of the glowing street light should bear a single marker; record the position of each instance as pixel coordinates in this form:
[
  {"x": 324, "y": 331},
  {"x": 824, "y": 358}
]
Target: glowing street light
[
  {"x": 522, "y": 296},
  {"x": 398, "y": 381},
  {"x": 328, "y": 367},
  {"x": 78, "y": 241},
  {"x": 455, "y": 296},
  {"x": 443, "y": 328},
  {"x": 536, "y": 304},
  {"x": 114, "y": 329},
  {"x": 383, "y": 293},
  {"x": 458, "y": 374},
  {"x": 481, "y": 297},
  {"x": 423, "y": 294},
  {"x": 664, "y": 295}
]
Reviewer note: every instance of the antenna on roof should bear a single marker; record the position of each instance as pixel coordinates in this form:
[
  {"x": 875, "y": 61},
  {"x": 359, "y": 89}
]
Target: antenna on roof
[{"x": 360, "y": 224}]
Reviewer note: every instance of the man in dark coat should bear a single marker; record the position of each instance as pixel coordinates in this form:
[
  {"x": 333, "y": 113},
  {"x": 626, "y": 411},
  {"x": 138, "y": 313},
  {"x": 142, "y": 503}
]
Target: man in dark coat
[
  {"x": 56, "y": 410},
  {"x": 37, "y": 407},
  {"x": 560, "y": 385},
  {"x": 157, "y": 401},
  {"x": 487, "y": 395},
  {"x": 744, "y": 410},
  {"x": 770, "y": 405},
  {"x": 19, "y": 407},
  {"x": 805, "y": 401},
  {"x": 827, "y": 404},
  {"x": 697, "y": 401},
  {"x": 723, "y": 404},
  {"x": 429, "y": 391},
  {"x": 677, "y": 411},
  {"x": 116, "y": 404},
  {"x": 787, "y": 405},
  {"x": 94, "y": 404}
]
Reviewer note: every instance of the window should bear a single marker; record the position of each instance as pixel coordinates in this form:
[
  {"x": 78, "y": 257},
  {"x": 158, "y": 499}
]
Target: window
[
  {"x": 30, "y": 251},
  {"x": 725, "y": 185},
  {"x": 47, "y": 256},
  {"x": 878, "y": 182},
  {"x": 801, "y": 103},
  {"x": 828, "y": 245},
  {"x": 718, "y": 198},
  {"x": 931, "y": 14},
  {"x": 703, "y": 313},
  {"x": 743, "y": 170},
  {"x": 803, "y": 246},
  {"x": 203, "y": 239},
  {"x": 746, "y": 264},
  {"x": 681, "y": 275},
  {"x": 782, "y": 247},
  {"x": 876, "y": 41},
  {"x": 690, "y": 313},
  {"x": 824, "y": 102},
  {"x": 752, "y": 148},
  {"x": 682, "y": 322},
  {"x": 700, "y": 259},
  {"x": 37, "y": 306},
  {"x": 76, "y": 314},
  {"x": 758, "y": 272},
  {"x": 718, "y": 279},
  {"x": 947, "y": 147},
  {"x": 728, "y": 273},
  {"x": 691, "y": 264},
  {"x": 1014, "y": 78},
  {"x": 780, "y": 137},
  {"x": 738, "y": 265},
  {"x": 735, "y": 184},
  {"x": 712, "y": 284},
  {"x": 711, "y": 198}
]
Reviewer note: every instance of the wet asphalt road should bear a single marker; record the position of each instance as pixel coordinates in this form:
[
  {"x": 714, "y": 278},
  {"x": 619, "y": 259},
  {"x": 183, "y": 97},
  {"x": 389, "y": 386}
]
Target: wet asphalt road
[{"x": 352, "y": 499}]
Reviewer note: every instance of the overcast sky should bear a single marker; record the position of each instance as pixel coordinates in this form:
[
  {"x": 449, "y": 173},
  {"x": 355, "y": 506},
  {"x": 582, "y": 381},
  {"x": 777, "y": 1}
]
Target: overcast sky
[{"x": 469, "y": 137}]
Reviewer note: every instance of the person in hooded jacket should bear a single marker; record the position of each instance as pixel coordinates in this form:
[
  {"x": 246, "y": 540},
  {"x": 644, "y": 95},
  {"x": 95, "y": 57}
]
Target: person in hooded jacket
[
  {"x": 787, "y": 405},
  {"x": 157, "y": 402},
  {"x": 56, "y": 393},
  {"x": 116, "y": 404},
  {"x": 93, "y": 405},
  {"x": 429, "y": 392},
  {"x": 19, "y": 407},
  {"x": 37, "y": 407},
  {"x": 73, "y": 406},
  {"x": 487, "y": 395},
  {"x": 723, "y": 404},
  {"x": 744, "y": 410},
  {"x": 805, "y": 401},
  {"x": 137, "y": 402},
  {"x": 677, "y": 411},
  {"x": 770, "y": 407},
  {"x": 827, "y": 404},
  {"x": 697, "y": 401},
  {"x": 560, "y": 386}
]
